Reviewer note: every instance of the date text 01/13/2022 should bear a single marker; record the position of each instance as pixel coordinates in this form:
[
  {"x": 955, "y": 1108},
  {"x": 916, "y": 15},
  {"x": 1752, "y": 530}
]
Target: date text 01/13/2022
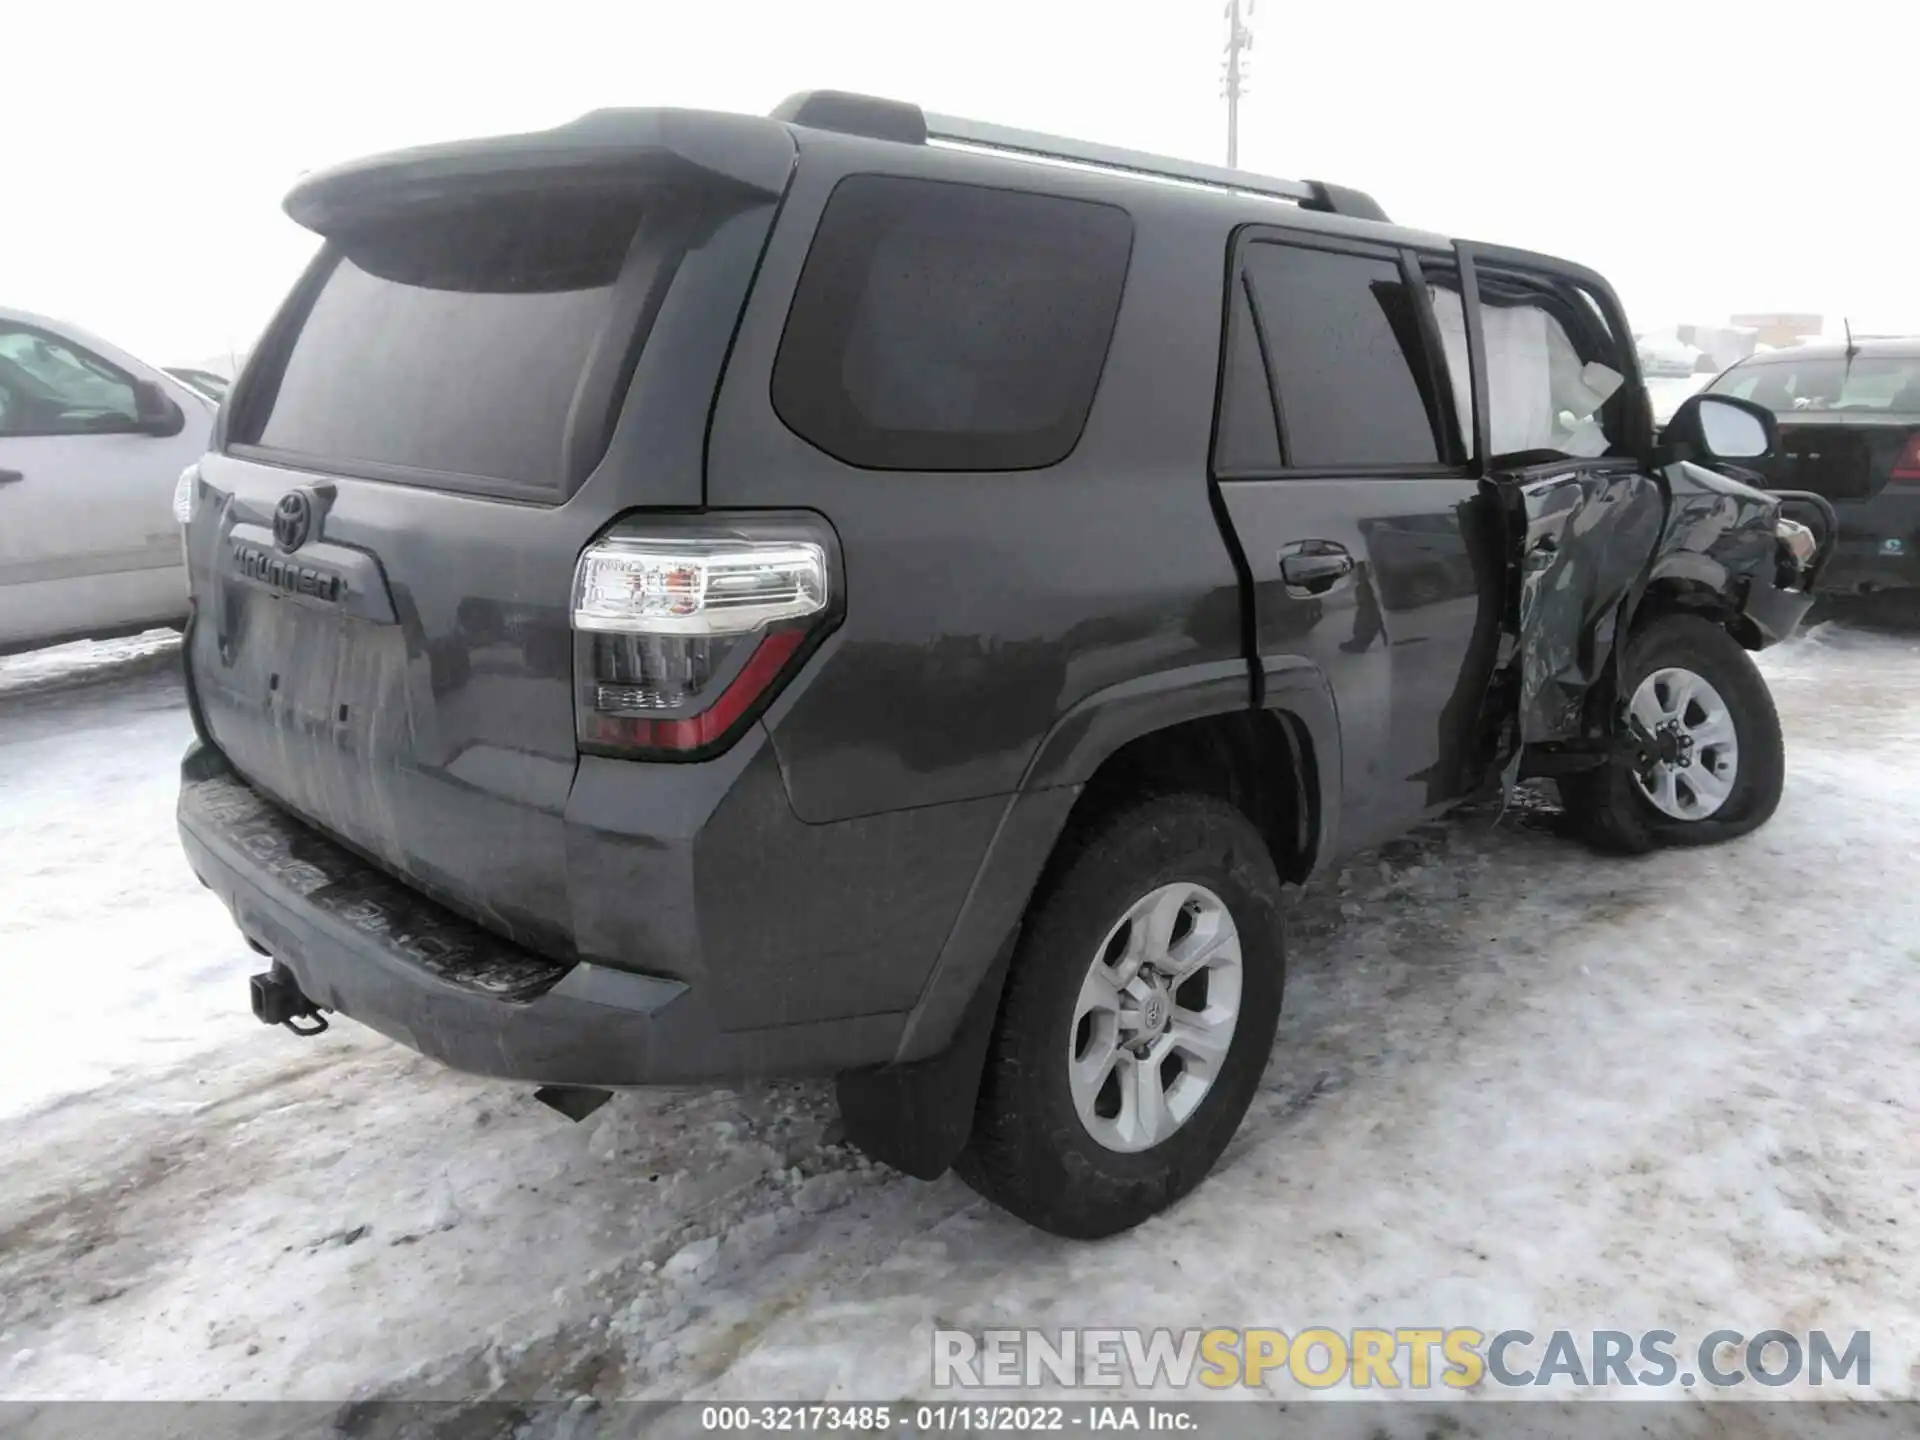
[{"x": 948, "y": 1418}]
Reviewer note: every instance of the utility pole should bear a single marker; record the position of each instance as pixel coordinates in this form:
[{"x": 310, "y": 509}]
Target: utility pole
[{"x": 1239, "y": 42}]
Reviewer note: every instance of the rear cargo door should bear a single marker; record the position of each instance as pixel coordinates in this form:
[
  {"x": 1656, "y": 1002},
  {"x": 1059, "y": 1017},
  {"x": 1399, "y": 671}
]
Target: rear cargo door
[{"x": 481, "y": 370}]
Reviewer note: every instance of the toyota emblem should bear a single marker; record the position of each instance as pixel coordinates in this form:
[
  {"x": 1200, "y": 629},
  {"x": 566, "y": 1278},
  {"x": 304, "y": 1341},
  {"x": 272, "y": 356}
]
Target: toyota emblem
[{"x": 292, "y": 519}]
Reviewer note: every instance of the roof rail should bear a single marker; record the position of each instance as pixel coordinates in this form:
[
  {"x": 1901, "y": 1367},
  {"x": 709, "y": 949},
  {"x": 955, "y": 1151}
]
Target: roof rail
[
  {"x": 851, "y": 114},
  {"x": 1309, "y": 194},
  {"x": 900, "y": 121}
]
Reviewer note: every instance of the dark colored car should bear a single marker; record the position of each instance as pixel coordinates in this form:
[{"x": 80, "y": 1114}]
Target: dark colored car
[
  {"x": 687, "y": 596},
  {"x": 1849, "y": 420}
]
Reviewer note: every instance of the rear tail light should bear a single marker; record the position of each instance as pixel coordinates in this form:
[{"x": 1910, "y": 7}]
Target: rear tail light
[
  {"x": 1907, "y": 466},
  {"x": 682, "y": 635}
]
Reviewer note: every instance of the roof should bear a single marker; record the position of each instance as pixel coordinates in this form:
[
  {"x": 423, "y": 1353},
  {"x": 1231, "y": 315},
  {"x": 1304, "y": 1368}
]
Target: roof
[
  {"x": 758, "y": 152},
  {"x": 1878, "y": 348}
]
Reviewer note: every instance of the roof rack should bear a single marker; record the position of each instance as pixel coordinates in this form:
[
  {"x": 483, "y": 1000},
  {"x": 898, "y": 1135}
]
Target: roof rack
[{"x": 900, "y": 121}]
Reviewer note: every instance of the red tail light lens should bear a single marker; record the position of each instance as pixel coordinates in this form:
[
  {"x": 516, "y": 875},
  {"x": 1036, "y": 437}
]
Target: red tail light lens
[
  {"x": 1907, "y": 466},
  {"x": 682, "y": 635}
]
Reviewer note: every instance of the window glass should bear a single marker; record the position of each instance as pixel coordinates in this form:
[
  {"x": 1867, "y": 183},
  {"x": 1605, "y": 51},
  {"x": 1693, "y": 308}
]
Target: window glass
[
  {"x": 1450, "y": 319},
  {"x": 1541, "y": 395},
  {"x": 1887, "y": 384},
  {"x": 1344, "y": 337},
  {"x": 1248, "y": 437},
  {"x": 455, "y": 344},
  {"x": 950, "y": 327},
  {"x": 48, "y": 387}
]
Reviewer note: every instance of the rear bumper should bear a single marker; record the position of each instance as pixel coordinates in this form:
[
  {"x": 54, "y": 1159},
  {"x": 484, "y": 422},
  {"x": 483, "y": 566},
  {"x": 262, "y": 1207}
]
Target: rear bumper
[
  {"x": 1879, "y": 544},
  {"x": 1864, "y": 564},
  {"x": 368, "y": 947}
]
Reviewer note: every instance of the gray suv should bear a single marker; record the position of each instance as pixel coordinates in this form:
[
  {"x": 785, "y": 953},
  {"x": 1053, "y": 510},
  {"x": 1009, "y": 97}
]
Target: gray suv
[{"x": 855, "y": 592}]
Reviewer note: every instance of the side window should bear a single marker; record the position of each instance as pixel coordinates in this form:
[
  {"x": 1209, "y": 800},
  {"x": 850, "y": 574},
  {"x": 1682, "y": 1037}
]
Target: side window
[
  {"x": 1450, "y": 319},
  {"x": 48, "y": 387},
  {"x": 1549, "y": 386},
  {"x": 940, "y": 326},
  {"x": 1343, "y": 340},
  {"x": 1249, "y": 435}
]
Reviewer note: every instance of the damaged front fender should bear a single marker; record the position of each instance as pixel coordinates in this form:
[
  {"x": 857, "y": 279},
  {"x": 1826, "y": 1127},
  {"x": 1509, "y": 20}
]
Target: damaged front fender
[
  {"x": 1586, "y": 533},
  {"x": 1596, "y": 539}
]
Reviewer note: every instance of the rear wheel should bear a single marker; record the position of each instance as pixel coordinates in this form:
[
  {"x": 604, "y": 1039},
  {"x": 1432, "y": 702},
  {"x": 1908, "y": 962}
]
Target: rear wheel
[
  {"x": 1710, "y": 764},
  {"x": 1138, "y": 1017}
]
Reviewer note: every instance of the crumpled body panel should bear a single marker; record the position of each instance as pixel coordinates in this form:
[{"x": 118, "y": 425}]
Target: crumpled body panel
[
  {"x": 1589, "y": 533},
  {"x": 1595, "y": 535}
]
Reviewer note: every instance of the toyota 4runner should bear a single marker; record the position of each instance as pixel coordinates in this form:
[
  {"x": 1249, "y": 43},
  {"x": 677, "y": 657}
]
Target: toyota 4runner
[{"x": 687, "y": 596}]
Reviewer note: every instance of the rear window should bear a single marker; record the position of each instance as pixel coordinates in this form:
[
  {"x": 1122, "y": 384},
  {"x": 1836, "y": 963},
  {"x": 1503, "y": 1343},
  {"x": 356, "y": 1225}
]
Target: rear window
[
  {"x": 1884, "y": 384},
  {"x": 453, "y": 345},
  {"x": 950, "y": 327}
]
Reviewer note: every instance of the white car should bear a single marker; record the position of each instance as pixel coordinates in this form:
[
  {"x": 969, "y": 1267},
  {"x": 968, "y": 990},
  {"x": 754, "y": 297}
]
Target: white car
[{"x": 92, "y": 443}]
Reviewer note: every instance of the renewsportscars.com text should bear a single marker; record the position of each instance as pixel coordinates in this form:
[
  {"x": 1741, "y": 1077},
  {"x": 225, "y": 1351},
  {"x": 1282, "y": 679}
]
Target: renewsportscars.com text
[{"x": 1405, "y": 1357}]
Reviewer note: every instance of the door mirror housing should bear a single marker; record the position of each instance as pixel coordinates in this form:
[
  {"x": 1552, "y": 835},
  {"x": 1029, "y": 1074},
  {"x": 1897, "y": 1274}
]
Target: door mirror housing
[
  {"x": 1720, "y": 427},
  {"x": 157, "y": 414}
]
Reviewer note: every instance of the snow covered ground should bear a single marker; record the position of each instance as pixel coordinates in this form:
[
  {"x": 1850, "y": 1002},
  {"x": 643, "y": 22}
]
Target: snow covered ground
[{"x": 1516, "y": 1084}]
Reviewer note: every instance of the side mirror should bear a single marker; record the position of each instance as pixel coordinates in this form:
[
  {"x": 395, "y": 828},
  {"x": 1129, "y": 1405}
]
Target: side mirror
[
  {"x": 1720, "y": 427},
  {"x": 157, "y": 413}
]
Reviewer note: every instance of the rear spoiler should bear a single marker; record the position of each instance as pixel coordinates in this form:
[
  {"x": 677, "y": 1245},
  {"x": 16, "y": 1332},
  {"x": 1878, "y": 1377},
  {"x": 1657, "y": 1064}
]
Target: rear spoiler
[{"x": 601, "y": 148}]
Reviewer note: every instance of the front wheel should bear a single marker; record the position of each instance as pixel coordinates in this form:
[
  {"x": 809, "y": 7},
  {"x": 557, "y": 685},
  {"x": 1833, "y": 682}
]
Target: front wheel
[
  {"x": 1710, "y": 763},
  {"x": 1139, "y": 1014}
]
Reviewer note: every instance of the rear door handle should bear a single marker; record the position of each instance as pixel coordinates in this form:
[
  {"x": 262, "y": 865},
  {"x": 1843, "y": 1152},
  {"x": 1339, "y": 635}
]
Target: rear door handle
[
  {"x": 1314, "y": 566},
  {"x": 11, "y": 477}
]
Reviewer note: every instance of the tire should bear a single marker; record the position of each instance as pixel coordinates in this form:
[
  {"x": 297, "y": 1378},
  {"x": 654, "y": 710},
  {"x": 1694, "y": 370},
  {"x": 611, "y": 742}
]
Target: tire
[
  {"x": 1030, "y": 1150},
  {"x": 1608, "y": 807}
]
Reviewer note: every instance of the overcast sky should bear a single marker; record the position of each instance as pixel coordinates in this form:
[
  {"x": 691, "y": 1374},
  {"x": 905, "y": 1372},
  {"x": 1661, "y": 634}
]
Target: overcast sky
[{"x": 1708, "y": 157}]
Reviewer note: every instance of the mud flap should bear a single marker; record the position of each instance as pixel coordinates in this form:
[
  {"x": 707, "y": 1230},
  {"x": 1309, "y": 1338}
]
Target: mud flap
[{"x": 917, "y": 1116}]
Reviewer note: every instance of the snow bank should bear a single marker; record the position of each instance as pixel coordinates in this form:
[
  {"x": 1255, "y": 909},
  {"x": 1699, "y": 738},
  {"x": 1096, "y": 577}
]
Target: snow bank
[{"x": 1516, "y": 1084}]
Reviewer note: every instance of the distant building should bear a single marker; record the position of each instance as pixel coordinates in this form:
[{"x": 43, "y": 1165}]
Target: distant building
[
  {"x": 1722, "y": 344},
  {"x": 1781, "y": 329}
]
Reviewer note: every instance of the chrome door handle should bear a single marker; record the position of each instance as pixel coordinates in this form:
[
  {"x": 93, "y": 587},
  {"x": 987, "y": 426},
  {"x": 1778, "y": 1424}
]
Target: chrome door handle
[{"x": 1315, "y": 566}]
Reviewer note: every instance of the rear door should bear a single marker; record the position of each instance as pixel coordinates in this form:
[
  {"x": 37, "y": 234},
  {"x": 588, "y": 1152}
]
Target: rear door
[
  {"x": 470, "y": 383},
  {"x": 1340, "y": 461}
]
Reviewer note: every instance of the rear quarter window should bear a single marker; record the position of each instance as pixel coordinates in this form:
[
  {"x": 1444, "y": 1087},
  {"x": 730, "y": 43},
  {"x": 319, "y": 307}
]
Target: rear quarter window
[{"x": 941, "y": 326}]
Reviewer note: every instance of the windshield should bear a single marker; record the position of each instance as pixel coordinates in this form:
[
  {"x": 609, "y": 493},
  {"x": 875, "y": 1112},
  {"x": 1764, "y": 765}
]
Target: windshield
[{"x": 1887, "y": 384}]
